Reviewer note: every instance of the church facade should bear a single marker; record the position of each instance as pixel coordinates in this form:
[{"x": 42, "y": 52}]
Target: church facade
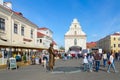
[{"x": 75, "y": 38}]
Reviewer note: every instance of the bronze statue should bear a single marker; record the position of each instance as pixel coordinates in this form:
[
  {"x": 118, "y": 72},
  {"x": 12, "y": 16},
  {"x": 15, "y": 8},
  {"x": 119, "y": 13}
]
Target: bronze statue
[{"x": 51, "y": 57}]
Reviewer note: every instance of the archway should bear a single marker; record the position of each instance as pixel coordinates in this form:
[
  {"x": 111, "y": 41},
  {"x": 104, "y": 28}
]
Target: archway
[{"x": 75, "y": 48}]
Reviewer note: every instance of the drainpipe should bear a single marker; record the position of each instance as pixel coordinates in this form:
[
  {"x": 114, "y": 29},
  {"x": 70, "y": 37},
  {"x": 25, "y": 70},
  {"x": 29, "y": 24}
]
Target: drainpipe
[{"x": 10, "y": 48}]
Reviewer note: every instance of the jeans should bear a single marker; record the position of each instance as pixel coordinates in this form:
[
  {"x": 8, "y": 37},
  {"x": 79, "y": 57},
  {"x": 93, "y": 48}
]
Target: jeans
[
  {"x": 118, "y": 58},
  {"x": 85, "y": 66},
  {"x": 97, "y": 65},
  {"x": 113, "y": 66},
  {"x": 90, "y": 65},
  {"x": 104, "y": 62}
]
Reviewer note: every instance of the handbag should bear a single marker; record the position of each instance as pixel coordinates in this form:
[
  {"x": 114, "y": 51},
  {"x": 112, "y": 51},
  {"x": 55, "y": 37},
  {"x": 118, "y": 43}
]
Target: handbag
[{"x": 109, "y": 62}]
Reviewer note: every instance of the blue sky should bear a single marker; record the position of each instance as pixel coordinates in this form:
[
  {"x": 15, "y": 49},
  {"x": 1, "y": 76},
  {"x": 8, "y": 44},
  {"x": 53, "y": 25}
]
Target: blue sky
[{"x": 98, "y": 18}]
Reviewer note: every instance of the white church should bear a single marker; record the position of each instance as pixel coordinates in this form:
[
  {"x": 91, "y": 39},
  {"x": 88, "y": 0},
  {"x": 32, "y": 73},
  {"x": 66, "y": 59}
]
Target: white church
[{"x": 75, "y": 38}]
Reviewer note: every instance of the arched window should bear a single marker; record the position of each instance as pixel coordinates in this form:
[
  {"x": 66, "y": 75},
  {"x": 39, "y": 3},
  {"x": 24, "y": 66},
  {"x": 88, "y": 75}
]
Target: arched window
[
  {"x": 75, "y": 25},
  {"x": 75, "y": 32},
  {"x": 75, "y": 41}
]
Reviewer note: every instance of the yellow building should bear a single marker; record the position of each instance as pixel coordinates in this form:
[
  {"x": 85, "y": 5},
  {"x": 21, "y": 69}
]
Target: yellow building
[{"x": 110, "y": 42}]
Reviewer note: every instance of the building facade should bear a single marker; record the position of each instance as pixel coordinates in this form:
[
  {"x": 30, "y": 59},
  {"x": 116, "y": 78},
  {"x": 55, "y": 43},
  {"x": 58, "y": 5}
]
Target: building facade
[
  {"x": 110, "y": 42},
  {"x": 75, "y": 36},
  {"x": 17, "y": 34},
  {"x": 44, "y": 38}
]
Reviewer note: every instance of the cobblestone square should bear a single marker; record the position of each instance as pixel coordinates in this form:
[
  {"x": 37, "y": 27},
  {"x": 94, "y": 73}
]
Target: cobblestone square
[{"x": 63, "y": 70}]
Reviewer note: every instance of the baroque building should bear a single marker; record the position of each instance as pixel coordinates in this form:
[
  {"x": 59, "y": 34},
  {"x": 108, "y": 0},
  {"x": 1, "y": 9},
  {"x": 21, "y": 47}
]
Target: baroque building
[{"x": 75, "y": 38}]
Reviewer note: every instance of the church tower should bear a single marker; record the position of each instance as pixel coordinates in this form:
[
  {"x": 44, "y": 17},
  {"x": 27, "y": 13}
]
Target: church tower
[{"x": 75, "y": 37}]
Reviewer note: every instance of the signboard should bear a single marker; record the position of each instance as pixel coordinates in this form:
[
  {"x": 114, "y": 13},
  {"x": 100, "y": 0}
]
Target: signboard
[
  {"x": 13, "y": 63},
  {"x": 100, "y": 50}
]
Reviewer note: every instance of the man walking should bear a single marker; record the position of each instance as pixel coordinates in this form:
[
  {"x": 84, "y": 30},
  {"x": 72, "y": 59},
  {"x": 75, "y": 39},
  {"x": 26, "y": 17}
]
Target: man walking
[{"x": 97, "y": 57}]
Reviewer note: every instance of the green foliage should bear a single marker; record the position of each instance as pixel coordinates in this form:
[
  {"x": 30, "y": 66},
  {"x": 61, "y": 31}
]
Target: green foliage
[{"x": 62, "y": 48}]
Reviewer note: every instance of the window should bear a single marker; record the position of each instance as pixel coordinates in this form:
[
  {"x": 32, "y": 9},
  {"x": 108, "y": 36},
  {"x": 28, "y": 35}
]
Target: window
[
  {"x": 31, "y": 33},
  {"x": 46, "y": 32},
  {"x": 119, "y": 45},
  {"x": 114, "y": 38},
  {"x": 15, "y": 28},
  {"x": 75, "y": 32},
  {"x": 119, "y": 39},
  {"x": 22, "y": 31},
  {"x": 37, "y": 41},
  {"x": 40, "y": 40},
  {"x": 114, "y": 45},
  {"x": 2, "y": 24},
  {"x": 75, "y": 41},
  {"x": 75, "y": 25}
]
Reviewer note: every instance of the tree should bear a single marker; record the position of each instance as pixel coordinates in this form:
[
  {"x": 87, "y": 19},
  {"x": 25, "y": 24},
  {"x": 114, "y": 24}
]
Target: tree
[{"x": 62, "y": 48}]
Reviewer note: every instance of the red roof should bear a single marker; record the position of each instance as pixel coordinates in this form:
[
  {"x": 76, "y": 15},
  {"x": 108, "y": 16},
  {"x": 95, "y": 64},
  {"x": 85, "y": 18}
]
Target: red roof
[
  {"x": 40, "y": 34},
  {"x": 43, "y": 28},
  {"x": 91, "y": 44},
  {"x": 18, "y": 13}
]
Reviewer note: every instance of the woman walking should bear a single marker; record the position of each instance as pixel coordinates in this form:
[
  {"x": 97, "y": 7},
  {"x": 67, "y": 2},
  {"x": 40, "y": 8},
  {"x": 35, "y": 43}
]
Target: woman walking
[{"x": 111, "y": 63}]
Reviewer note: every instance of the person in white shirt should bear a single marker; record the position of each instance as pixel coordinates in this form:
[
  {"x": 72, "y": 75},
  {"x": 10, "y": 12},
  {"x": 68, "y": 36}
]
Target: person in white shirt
[
  {"x": 104, "y": 56},
  {"x": 111, "y": 63},
  {"x": 85, "y": 62},
  {"x": 90, "y": 61}
]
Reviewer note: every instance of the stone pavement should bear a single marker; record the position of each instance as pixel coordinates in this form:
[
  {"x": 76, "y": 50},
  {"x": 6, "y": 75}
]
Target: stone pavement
[{"x": 63, "y": 70}]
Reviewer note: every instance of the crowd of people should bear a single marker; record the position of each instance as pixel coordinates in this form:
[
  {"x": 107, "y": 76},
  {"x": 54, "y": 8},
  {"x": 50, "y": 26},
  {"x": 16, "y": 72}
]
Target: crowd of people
[
  {"x": 91, "y": 61},
  {"x": 94, "y": 59}
]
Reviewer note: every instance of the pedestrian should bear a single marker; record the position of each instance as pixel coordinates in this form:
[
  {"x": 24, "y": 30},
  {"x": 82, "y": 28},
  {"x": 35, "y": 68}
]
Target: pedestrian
[
  {"x": 104, "y": 56},
  {"x": 97, "y": 57},
  {"x": 90, "y": 61},
  {"x": 119, "y": 56},
  {"x": 108, "y": 55},
  {"x": 51, "y": 57},
  {"x": 65, "y": 56},
  {"x": 8, "y": 64},
  {"x": 111, "y": 63},
  {"x": 33, "y": 59},
  {"x": 85, "y": 62}
]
